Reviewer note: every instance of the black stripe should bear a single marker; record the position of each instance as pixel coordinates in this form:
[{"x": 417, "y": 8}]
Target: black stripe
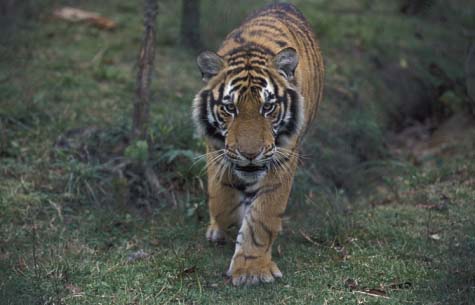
[
  {"x": 297, "y": 32},
  {"x": 290, "y": 126},
  {"x": 285, "y": 7},
  {"x": 250, "y": 194},
  {"x": 234, "y": 208},
  {"x": 209, "y": 128},
  {"x": 259, "y": 80},
  {"x": 247, "y": 201},
  {"x": 250, "y": 216},
  {"x": 297, "y": 24},
  {"x": 234, "y": 71},
  {"x": 203, "y": 106},
  {"x": 266, "y": 24},
  {"x": 220, "y": 92},
  {"x": 269, "y": 234},
  {"x": 290, "y": 8},
  {"x": 283, "y": 110},
  {"x": 238, "y": 79},
  {"x": 269, "y": 36},
  {"x": 251, "y": 47},
  {"x": 285, "y": 101},
  {"x": 258, "y": 62},
  {"x": 213, "y": 107},
  {"x": 216, "y": 115},
  {"x": 274, "y": 84},
  {"x": 238, "y": 186},
  {"x": 253, "y": 236},
  {"x": 257, "y": 69},
  {"x": 247, "y": 67},
  {"x": 246, "y": 54},
  {"x": 235, "y": 88},
  {"x": 236, "y": 61},
  {"x": 236, "y": 35},
  {"x": 269, "y": 189}
]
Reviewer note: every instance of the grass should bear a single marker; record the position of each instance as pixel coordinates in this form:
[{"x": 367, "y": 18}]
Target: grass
[
  {"x": 363, "y": 226},
  {"x": 413, "y": 254}
]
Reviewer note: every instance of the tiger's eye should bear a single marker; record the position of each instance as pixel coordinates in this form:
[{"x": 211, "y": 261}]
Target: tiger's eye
[
  {"x": 267, "y": 107},
  {"x": 230, "y": 107}
]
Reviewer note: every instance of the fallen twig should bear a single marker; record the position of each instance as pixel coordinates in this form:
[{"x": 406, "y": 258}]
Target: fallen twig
[
  {"x": 371, "y": 294},
  {"x": 308, "y": 238}
]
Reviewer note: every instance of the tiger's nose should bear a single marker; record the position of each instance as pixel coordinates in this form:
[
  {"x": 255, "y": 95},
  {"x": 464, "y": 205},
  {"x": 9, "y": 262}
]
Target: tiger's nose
[{"x": 249, "y": 155}]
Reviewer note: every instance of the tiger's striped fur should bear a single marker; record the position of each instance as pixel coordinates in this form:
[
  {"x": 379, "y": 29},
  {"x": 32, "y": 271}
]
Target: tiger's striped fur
[{"x": 262, "y": 92}]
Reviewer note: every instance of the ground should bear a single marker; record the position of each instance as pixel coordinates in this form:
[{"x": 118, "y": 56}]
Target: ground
[{"x": 382, "y": 207}]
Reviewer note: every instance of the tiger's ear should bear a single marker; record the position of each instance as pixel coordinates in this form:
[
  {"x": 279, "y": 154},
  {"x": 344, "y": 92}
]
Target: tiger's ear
[
  {"x": 286, "y": 61},
  {"x": 210, "y": 64}
]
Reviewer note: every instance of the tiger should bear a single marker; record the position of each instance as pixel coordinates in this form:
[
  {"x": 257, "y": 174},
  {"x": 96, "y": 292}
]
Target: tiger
[{"x": 262, "y": 91}]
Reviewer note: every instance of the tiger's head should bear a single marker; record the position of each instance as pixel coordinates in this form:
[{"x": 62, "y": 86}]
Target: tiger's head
[{"x": 250, "y": 110}]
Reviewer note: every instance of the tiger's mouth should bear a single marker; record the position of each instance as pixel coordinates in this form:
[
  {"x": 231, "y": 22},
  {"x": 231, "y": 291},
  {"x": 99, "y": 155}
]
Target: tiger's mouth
[
  {"x": 250, "y": 173},
  {"x": 251, "y": 168}
]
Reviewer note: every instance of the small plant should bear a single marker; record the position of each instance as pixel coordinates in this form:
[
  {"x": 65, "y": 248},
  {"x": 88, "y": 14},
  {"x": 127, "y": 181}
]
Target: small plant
[{"x": 138, "y": 151}]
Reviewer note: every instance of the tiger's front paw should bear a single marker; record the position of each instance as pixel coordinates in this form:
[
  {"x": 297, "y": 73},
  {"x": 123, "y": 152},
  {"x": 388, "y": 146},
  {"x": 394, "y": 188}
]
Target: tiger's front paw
[
  {"x": 248, "y": 269},
  {"x": 215, "y": 234}
]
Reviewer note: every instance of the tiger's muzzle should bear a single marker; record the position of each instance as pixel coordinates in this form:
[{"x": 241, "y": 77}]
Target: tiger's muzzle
[{"x": 248, "y": 164}]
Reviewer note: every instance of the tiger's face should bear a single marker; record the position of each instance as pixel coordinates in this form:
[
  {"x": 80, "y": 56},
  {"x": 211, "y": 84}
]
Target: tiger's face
[{"x": 250, "y": 112}]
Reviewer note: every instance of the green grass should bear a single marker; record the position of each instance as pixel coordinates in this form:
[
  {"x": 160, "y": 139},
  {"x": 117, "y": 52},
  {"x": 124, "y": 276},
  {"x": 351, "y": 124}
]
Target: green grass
[
  {"x": 359, "y": 220},
  {"x": 391, "y": 248}
]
